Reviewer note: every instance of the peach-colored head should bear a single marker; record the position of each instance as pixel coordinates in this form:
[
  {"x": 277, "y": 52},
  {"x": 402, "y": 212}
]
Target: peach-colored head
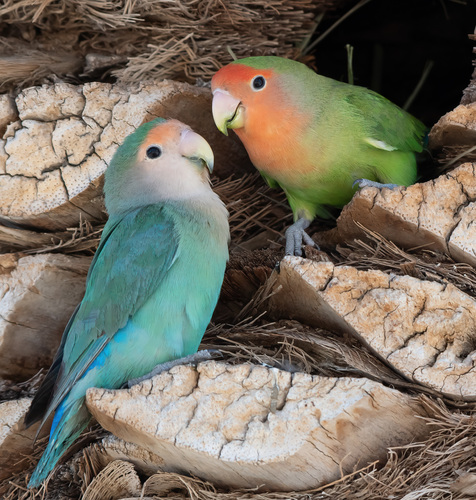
[
  {"x": 162, "y": 160},
  {"x": 255, "y": 101}
]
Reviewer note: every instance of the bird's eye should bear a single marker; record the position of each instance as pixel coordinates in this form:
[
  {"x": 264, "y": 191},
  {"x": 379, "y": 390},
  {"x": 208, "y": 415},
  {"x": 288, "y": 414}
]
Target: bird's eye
[
  {"x": 153, "y": 152},
  {"x": 258, "y": 82}
]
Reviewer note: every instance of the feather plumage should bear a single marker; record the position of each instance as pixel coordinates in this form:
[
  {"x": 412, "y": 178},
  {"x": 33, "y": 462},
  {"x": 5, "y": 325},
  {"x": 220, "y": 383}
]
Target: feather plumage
[{"x": 150, "y": 292}]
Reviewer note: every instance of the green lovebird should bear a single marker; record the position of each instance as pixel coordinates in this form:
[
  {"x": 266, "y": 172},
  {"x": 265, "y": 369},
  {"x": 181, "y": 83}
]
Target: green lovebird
[
  {"x": 154, "y": 281},
  {"x": 313, "y": 136}
]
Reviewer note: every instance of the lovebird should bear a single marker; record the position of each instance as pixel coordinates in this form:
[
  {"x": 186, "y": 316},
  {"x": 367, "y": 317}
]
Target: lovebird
[
  {"x": 153, "y": 283},
  {"x": 313, "y": 136}
]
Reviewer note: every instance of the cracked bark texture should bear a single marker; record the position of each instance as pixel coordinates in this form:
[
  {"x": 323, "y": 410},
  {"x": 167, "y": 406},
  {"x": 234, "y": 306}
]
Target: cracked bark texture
[
  {"x": 244, "y": 426},
  {"x": 58, "y": 140},
  {"x": 425, "y": 330},
  {"x": 16, "y": 443},
  {"x": 455, "y": 128},
  {"x": 440, "y": 213},
  {"x": 38, "y": 294}
]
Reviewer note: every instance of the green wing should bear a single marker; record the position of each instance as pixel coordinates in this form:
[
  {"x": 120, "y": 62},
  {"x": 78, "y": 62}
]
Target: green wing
[
  {"x": 133, "y": 257},
  {"x": 386, "y": 125}
]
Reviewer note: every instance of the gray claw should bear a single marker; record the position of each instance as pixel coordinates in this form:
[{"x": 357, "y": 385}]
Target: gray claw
[
  {"x": 295, "y": 235},
  {"x": 193, "y": 359},
  {"x": 367, "y": 183},
  {"x": 309, "y": 241}
]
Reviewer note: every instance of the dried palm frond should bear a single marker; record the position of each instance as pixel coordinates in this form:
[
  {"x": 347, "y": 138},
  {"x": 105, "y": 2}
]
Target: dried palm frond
[
  {"x": 184, "y": 39},
  {"x": 422, "y": 263}
]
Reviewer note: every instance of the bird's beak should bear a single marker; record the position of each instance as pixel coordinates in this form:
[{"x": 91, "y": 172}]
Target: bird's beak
[
  {"x": 227, "y": 111},
  {"x": 196, "y": 148}
]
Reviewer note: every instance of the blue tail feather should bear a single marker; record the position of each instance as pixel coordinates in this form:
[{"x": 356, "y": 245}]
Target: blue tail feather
[{"x": 69, "y": 421}]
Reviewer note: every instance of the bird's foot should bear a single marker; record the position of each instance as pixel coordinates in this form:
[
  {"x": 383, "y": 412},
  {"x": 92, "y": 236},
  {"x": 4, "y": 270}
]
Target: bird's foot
[
  {"x": 296, "y": 235},
  {"x": 367, "y": 183},
  {"x": 192, "y": 359}
]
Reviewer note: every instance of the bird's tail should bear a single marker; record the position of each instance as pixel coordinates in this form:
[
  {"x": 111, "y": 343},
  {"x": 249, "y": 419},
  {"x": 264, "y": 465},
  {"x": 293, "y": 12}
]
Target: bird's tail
[{"x": 69, "y": 421}]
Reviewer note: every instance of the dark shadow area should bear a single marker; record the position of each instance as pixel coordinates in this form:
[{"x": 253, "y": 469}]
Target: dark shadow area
[{"x": 393, "y": 41}]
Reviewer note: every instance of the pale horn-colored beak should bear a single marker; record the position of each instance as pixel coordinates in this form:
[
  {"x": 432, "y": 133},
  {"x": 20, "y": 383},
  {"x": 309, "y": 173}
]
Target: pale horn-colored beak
[
  {"x": 227, "y": 111},
  {"x": 196, "y": 148}
]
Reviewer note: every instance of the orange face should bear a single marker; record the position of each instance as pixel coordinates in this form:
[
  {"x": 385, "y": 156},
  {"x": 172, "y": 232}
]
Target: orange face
[
  {"x": 161, "y": 135},
  {"x": 169, "y": 138},
  {"x": 257, "y": 105},
  {"x": 238, "y": 79}
]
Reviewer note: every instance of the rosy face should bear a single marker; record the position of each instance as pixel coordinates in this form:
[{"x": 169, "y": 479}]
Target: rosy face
[
  {"x": 171, "y": 162},
  {"x": 262, "y": 111},
  {"x": 239, "y": 92},
  {"x": 174, "y": 137}
]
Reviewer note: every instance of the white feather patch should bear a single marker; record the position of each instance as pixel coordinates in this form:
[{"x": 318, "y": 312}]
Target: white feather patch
[{"x": 379, "y": 144}]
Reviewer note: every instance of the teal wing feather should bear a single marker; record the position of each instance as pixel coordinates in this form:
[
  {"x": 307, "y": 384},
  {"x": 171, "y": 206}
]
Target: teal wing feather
[
  {"x": 133, "y": 257},
  {"x": 385, "y": 122},
  {"x": 42, "y": 396}
]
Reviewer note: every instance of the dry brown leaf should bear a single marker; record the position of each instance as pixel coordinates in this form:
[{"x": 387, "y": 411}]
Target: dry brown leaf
[{"x": 117, "y": 480}]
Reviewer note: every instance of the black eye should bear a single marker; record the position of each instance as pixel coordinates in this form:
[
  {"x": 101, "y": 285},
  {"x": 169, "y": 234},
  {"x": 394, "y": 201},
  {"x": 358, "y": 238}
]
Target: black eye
[
  {"x": 258, "y": 82},
  {"x": 153, "y": 152}
]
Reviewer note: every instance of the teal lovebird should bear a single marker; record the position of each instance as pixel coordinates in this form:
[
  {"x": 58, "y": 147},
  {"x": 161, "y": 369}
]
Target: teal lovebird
[
  {"x": 154, "y": 281},
  {"x": 313, "y": 136}
]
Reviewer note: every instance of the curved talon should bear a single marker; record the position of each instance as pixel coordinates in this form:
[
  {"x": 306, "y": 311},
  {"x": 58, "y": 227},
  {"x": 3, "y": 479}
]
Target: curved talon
[
  {"x": 194, "y": 359},
  {"x": 368, "y": 183},
  {"x": 309, "y": 241}
]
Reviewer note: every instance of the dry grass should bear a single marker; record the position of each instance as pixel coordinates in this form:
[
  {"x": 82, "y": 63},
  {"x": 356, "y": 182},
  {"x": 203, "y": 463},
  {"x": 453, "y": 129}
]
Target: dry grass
[
  {"x": 10, "y": 390},
  {"x": 66, "y": 481},
  {"x": 34, "y": 66},
  {"x": 292, "y": 346},
  {"x": 184, "y": 39},
  {"x": 380, "y": 253},
  {"x": 451, "y": 156},
  {"x": 258, "y": 214}
]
